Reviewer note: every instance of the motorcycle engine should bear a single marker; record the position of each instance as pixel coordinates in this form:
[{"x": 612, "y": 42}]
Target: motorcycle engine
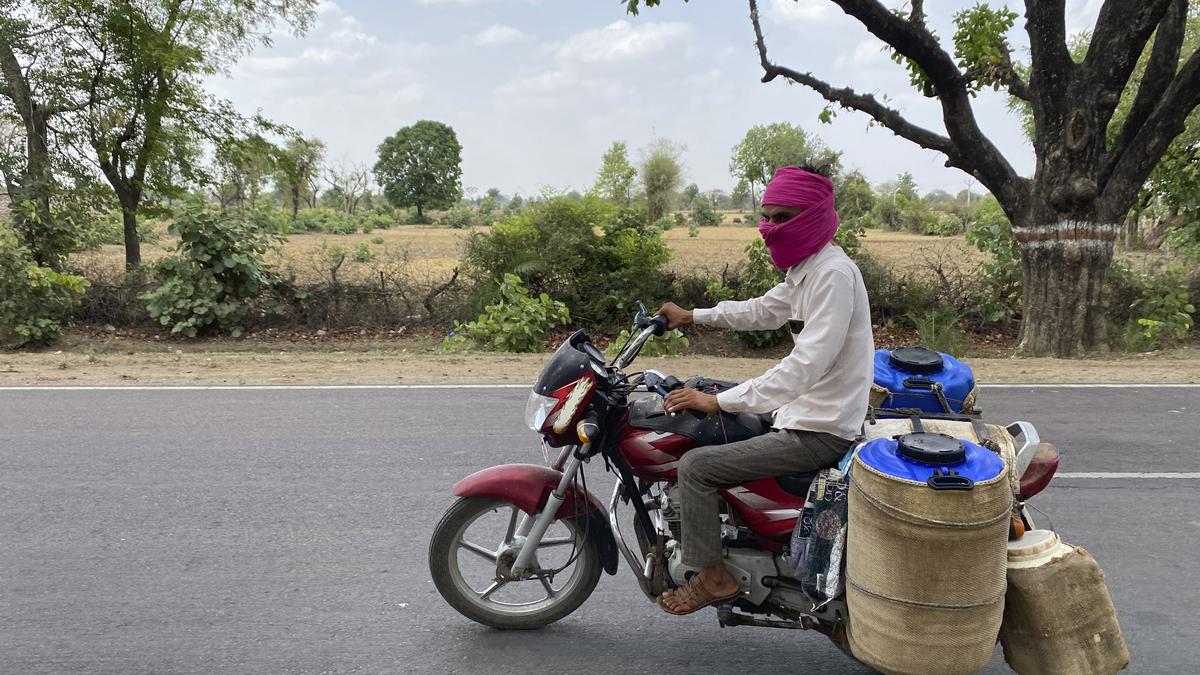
[{"x": 671, "y": 512}]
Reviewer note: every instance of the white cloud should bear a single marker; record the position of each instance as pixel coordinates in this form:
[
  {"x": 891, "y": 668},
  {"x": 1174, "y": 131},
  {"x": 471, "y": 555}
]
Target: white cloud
[
  {"x": 798, "y": 11},
  {"x": 622, "y": 41},
  {"x": 499, "y": 34}
]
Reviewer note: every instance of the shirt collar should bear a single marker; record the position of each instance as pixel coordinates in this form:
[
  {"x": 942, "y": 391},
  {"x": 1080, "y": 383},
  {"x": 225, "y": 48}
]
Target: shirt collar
[{"x": 797, "y": 272}]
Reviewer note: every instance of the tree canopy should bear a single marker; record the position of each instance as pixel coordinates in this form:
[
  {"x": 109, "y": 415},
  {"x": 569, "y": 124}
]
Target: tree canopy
[
  {"x": 1089, "y": 173},
  {"x": 421, "y": 166}
]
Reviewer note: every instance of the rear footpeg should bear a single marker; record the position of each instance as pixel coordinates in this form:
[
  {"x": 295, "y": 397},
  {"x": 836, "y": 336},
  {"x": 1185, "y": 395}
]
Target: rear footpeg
[{"x": 728, "y": 618}]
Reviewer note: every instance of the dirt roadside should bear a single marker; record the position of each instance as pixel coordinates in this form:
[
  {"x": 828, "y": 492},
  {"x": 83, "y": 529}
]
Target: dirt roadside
[{"x": 86, "y": 362}]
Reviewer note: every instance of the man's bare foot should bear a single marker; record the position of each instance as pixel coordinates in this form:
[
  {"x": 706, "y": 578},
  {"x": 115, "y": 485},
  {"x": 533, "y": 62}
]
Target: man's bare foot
[{"x": 710, "y": 586}]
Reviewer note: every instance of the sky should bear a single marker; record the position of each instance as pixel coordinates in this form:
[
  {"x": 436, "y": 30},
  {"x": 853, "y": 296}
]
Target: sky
[{"x": 538, "y": 89}]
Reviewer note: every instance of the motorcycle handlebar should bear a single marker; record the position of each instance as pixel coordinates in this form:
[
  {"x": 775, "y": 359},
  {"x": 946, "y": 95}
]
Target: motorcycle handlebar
[{"x": 656, "y": 326}]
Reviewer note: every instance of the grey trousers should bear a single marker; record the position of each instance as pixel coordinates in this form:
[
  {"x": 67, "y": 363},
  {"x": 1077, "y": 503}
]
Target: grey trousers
[{"x": 703, "y": 471}]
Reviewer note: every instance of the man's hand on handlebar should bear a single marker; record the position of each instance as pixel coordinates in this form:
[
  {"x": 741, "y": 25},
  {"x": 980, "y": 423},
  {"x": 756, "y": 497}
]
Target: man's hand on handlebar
[
  {"x": 677, "y": 317},
  {"x": 690, "y": 399}
]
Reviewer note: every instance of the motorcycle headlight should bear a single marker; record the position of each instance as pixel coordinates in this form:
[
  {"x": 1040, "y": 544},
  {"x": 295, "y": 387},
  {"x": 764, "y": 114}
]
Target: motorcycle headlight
[{"x": 538, "y": 409}]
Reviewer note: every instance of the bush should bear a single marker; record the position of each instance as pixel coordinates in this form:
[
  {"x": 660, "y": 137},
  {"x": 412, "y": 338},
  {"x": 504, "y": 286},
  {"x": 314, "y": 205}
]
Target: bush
[
  {"x": 693, "y": 230},
  {"x": 663, "y": 224},
  {"x": 363, "y": 253},
  {"x": 323, "y": 219},
  {"x": 759, "y": 276},
  {"x": 1150, "y": 308},
  {"x": 703, "y": 214},
  {"x": 999, "y": 285},
  {"x": 555, "y": 247},
  {"x": 678, "y": 219},
  {"x": 671, "y": 343},
  {"x": 109, "y": 230},
  {"x": 35, "y": 302},
  {"x": 460, "y": 217},
  {"x": 516, "y": 322},
  {"x": 217, "y": 272},
  {"x": 939, "y": 330}
]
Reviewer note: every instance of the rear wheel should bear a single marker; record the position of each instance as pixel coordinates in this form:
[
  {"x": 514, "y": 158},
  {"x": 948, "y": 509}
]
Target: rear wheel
[{"x": 471, "y": 555}]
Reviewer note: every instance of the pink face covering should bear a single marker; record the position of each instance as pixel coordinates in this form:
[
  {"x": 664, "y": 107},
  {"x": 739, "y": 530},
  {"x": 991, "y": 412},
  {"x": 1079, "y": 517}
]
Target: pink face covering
[{"x": 791, "y": 242}]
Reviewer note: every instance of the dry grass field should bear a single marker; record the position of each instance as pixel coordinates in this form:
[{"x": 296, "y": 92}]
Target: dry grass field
[{"x": 433, "y": 251}]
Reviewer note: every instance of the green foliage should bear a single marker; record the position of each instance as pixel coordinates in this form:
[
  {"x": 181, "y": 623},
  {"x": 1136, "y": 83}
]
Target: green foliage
[
  {"x": 460, "y": 217},
  {"x": 516, "y": 322},
  {"x": 1160, "y": 312},
  {"x": 766, "y": 148},
  {"x": 109, "y": 230},
  {"x": 999, "y": 286},
  {"x": 980, "y": 45},
  {"x": 614, "y": 181},
  {"x": 704, "y": 214},
  {"x": 421, "y": 166},
  {"x": 671, "y": 343},
  {"x": 363, "y": 253},
  {"x": 661, "y": 175},
  {"x": 759, "y": 276},
  {"x": 35, "y": 301},
  {"x": 296, "y": 168},
  {"x": 938, "y": 329},
  {"x": 693, "y": 230},
  {"x": 327, "y": 220},
  {"x": 217, "y": 271},
  {"x": 556, "y": 248}
]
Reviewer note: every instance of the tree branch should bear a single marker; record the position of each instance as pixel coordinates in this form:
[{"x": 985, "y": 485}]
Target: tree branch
[
  {"x": 910, "y": 38},
  {"x": 1052, "y": 68},
  {"x": 1160, "y": 71},
  {"x": 1137, "y": 159},
  {"x": 965, "y": 148},
  {"x": 1122, "y": 31}
]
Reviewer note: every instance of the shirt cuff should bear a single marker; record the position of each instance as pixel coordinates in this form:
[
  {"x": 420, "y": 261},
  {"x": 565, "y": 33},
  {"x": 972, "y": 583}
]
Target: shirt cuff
[
  {"x": 703, "y": 316},
  {"x": 730, "y": 400}
]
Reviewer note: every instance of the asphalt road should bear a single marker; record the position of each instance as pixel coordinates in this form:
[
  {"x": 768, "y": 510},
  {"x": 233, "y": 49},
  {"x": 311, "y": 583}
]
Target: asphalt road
[{"x": 286, "y": 531}]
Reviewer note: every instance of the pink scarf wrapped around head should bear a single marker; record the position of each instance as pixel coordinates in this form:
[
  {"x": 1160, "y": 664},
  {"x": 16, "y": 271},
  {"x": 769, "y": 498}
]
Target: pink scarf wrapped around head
[{"x": 793, "y": 241}]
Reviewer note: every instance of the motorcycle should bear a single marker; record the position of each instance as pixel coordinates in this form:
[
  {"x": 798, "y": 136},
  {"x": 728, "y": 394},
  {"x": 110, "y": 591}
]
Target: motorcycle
[{"x": 548, "y": 539}]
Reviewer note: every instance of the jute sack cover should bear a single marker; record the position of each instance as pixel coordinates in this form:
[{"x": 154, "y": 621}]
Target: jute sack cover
[
  {"x": 1059, "y": 618},
  {"x": 925, "y": 572}
]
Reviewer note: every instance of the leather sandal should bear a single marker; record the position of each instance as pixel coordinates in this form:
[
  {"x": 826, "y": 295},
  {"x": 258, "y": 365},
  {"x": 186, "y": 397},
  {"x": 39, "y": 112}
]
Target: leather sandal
[{"x": 689, "y": 593}]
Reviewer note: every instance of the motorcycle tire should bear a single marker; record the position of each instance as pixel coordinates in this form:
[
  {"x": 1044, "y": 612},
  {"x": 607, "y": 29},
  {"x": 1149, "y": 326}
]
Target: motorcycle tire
[{"x": 443, "y": 565}]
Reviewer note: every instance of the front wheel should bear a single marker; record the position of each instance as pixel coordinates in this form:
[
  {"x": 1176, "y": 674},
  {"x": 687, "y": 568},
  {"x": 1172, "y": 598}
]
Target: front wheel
[{"x": 470, "y": 558}]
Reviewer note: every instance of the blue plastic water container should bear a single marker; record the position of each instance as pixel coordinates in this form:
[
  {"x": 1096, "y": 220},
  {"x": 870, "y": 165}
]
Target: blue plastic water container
[
  {"x": 940, "y": 461},
  {"x": 910, "y": 374}
]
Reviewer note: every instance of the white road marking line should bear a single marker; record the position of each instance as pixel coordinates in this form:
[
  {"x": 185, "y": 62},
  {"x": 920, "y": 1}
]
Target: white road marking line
[
  {"x": 1089, "y": 386},
  {"x": 1130, "y": 475},
  {"x": 218, "y": 387},
  {"x": 258, "y": 387}
]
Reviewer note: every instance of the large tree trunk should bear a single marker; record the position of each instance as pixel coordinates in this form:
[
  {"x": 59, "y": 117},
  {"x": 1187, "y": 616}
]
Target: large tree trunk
[
  {"x": 1065, "y": 265},
  {"x": 133, "y": 245},
  {"x": 295, "y": 200}
]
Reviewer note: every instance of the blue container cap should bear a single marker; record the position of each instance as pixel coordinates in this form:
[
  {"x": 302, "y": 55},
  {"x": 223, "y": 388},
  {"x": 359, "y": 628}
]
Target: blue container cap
[{"x": 884, "y": 455}]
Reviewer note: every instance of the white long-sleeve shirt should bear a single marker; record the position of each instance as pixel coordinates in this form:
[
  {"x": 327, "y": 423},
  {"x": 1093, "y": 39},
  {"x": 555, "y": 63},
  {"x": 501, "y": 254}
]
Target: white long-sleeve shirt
[{"x": 824, "y": 383}]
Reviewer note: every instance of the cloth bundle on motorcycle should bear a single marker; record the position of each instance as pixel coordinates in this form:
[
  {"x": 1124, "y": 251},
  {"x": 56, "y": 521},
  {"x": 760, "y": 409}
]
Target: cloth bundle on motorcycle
[
  {"x": 926, "y": 553},
  {"x": 910, "y": 378},
  {"x": 1058, "y": 616},
  {"x": 818, "y": 545}
]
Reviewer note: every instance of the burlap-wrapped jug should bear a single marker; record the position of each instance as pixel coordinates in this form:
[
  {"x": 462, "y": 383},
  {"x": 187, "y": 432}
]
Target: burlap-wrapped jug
[{"x": 926, "y": 553}]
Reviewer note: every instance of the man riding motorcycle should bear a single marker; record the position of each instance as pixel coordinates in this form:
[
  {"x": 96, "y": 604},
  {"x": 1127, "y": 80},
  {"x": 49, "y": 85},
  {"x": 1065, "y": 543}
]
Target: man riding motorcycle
[{"x": 818, "y": 392}]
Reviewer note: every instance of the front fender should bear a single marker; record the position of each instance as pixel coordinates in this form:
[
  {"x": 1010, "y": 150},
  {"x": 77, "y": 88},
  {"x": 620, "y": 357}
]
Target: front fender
[{"x": 528, "y": 487}]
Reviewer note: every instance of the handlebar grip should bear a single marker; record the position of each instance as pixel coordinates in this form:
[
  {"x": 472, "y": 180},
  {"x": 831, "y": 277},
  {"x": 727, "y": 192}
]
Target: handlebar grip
[{"x": 660, "y": 324}]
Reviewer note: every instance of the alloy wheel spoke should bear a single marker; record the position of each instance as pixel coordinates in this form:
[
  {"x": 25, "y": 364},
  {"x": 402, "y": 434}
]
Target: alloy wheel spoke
[
  {"x": 562, "y": 541},
  {"x": 496, "y": 585},
  {"x": 478, "y": 550},
  {"x": 512, "y": 527}
]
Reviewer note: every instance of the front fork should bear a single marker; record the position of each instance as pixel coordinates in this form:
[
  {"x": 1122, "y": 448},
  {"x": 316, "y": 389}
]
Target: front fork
[{"x": 532, "y": 529}]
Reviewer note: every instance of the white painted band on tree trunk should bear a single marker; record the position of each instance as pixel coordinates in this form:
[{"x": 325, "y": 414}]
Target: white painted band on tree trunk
[{"x": 1072, "y": 235}]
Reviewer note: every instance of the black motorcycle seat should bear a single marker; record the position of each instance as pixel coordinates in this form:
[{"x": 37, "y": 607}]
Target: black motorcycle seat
[{"x": 796, "y": 483}]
